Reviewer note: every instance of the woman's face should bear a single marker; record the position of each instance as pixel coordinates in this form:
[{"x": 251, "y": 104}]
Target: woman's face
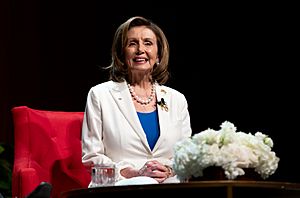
[{"x": 141, "y": 51}]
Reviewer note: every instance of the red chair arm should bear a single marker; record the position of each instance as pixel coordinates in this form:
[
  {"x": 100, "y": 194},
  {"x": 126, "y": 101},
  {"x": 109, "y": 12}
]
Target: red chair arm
[{"x": 28, "y": 180}]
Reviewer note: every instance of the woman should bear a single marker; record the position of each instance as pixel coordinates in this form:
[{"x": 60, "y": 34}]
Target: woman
[{"x": 133, "y": 120}]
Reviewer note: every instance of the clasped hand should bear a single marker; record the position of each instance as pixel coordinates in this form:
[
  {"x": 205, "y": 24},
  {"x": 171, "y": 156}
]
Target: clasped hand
[{"x": 156, "y": 170}]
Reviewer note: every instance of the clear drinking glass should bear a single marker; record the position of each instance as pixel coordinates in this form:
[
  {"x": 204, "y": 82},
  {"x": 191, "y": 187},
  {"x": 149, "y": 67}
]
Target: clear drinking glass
[{"x": 103, "y": 175}]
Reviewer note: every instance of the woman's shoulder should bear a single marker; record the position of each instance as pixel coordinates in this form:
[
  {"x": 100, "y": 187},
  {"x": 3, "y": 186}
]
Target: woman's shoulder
[
  {"x": 107, "y": 85},
  {"x": 101, "y": 85},
  {"x": 167, "y": 89}
]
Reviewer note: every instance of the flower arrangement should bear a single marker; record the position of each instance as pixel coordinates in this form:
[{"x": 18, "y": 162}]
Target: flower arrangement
[{"x": 226, "y": 148}]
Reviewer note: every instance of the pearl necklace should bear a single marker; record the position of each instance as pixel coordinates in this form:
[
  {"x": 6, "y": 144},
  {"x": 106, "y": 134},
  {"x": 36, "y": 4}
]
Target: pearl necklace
[{"x": 139, "y": 99}]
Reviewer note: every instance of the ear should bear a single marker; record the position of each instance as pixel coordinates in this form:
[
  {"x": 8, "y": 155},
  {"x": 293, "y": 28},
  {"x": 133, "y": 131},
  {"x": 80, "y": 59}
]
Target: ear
[{"x": 157, "y": 61}]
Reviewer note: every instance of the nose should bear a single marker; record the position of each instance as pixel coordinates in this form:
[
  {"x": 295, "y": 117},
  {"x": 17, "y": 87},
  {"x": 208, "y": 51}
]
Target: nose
[{"x": 140, "y": 49}]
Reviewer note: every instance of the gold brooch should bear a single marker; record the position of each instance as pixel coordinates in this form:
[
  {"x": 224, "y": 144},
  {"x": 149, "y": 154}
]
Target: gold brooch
[
  {"x": 163, "y": 105},
  {"x": 163, "y": 91}
]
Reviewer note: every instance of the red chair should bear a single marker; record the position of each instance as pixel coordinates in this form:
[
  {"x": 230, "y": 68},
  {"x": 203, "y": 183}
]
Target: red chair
[{"x": 47, "y": 148}]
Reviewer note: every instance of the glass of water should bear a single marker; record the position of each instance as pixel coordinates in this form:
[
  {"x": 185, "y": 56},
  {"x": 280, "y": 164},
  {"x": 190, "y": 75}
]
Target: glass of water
[{"x": 103, "y": 175}]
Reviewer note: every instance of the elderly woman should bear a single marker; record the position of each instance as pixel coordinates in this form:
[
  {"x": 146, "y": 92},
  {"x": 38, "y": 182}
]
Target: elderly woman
[{"x": 133, "y": 120}]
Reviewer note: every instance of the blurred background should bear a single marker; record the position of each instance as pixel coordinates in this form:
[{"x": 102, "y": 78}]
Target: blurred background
[{"x": 232, "y": 62}]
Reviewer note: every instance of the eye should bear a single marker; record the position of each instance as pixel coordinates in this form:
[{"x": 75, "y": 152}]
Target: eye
[
  {"x": 148, "y": 43},
  {"x": 131, "y": 43}
]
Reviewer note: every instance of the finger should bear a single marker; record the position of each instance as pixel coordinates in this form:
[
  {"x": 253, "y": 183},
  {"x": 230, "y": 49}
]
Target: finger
[{"x": 160, "y": 167}]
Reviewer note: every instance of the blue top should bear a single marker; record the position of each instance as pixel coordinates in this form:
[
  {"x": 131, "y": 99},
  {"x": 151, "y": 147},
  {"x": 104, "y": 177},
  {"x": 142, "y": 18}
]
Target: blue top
[{"x": 150, "y": 125}]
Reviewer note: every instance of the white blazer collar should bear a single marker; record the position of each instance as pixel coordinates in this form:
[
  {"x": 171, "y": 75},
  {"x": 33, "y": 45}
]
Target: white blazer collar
[
  {"x": 163, "y": 102},
  {"x": 123, "y": 99}
]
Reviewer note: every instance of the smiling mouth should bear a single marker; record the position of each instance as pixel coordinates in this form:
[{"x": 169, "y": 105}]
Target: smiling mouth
[{"x": 140, "y": 60}]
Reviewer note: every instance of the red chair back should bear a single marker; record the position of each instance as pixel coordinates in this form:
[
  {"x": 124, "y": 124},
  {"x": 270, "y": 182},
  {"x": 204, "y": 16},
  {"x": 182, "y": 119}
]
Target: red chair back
[{"x": 47, "y": 149}]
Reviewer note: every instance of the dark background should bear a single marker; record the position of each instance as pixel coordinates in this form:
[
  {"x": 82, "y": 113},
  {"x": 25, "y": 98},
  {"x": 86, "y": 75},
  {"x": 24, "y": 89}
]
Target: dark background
[{"x": 232, "y": 62}]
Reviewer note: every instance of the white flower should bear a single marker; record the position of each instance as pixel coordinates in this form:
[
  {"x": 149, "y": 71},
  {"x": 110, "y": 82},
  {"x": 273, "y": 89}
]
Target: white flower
[{"x": 225, "y": 148}]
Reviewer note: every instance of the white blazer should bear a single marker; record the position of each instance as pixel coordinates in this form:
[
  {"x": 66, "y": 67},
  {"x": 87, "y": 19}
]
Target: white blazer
[{"x": 112, "y": 132}]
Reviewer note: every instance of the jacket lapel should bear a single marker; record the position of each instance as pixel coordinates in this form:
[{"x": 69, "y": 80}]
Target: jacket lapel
[
  {"x": 163, "y": 108},
  {"x": 122, "y": 98}
]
